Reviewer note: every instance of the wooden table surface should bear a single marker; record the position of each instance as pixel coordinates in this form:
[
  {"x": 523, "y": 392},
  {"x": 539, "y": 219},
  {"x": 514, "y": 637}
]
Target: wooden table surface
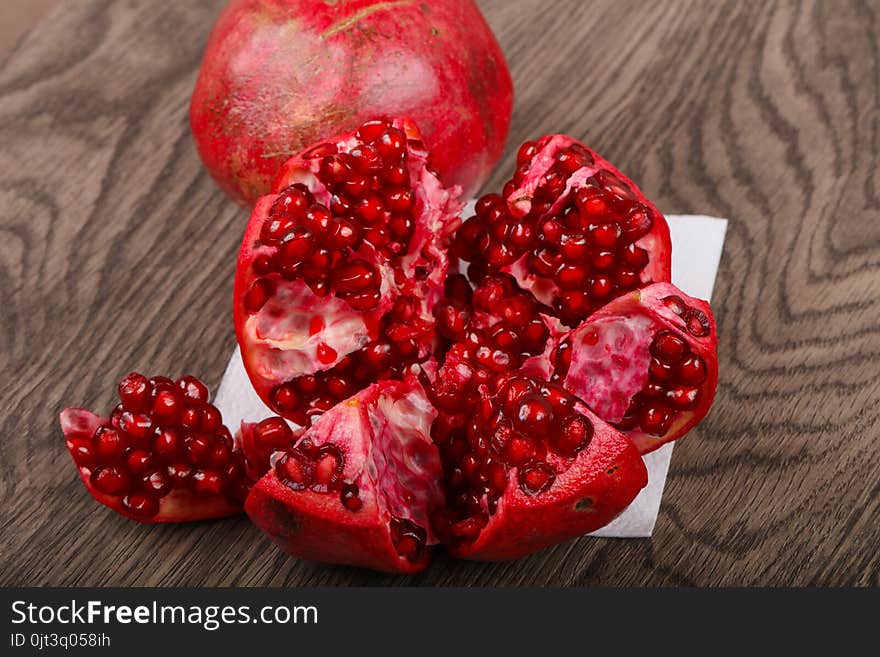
[{"x": 117, "y": 253}]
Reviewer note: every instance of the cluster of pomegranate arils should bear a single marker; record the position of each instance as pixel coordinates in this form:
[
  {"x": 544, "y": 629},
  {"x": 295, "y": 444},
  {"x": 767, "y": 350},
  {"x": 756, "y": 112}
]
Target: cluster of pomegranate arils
[
  {"x": 513, "y": 427},
  {"x": 585, "y": 243},
  {"x": 163, "y": 439},
  {"x": 434, "y": 406}
]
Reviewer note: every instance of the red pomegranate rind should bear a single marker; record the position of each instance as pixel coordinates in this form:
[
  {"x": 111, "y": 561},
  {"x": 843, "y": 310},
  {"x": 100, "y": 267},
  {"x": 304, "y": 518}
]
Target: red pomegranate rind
[
  {"x": 521, "y": 479},
  {"x": 371, "y": 508},
  {"x": 646, "y": 363},
  {"x": 570, "y": 228},
  {"x": 278, "y": 75},
  {"x": 315, "y": 326},
  {"x": 164, "y": 455}
]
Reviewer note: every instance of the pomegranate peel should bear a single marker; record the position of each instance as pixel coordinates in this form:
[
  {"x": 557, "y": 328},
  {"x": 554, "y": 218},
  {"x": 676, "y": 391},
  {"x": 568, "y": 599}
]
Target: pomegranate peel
[
  {"x": 279, "y": 75},
  {"x": 372, "y": 507}
]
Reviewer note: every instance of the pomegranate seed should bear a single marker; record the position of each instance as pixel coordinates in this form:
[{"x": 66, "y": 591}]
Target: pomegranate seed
[
  {"x": 157, "y": 483},
  {"x": 370, "y": 209},
  {"x": 391, "y": 145},
  {"x": 656, "y": 419},
  {"x": 325, "y": 353},
  {"x": 81, "y": 449},
  {"x": 526, "y": 152},
  {"x": 675, "y": 304},
  {"x": 518, "y": 450},
  {"x": 197, "y": 449},
  {"x": 193, "y": 388},
  {"x": 399, "y": 200},
  {"x": 273, "y": 433},
  {"x": 167, "y": 443},
  {"x": 137, "y": 426},
  {"x": 110, "y": 480},
  {"x": 297, "y": 245},
  {"x": 575, "y": 434},
  {"x": 349, "y": 496},
  {"x": 141, "y": 506},
  {"x": 294, "y": 471},
  {"x": 108, "y": 444},
  {"x": 683, "y": 398},
  {"x": 135, "y": 392},
  {"x": 571, "y": 277},
  {"x": 372, "y": 130},
  {"x": 408, "y": 538},
  {"x": 536, "y": 479},
  {"x": 692, "y": 371},
  {"x": 534, "y": 415},
  {"x": 355, "y": 276},
  {"x": 168, "y": 406},
  {"x": 668, "y": 347},
  {"x": 210, "y": 421},
  {"x": 696, "y": 323},
  {"x": 206, "y": 482},
  {"x": 191, "y": 418},
  {"x": 139, "y": 461}
]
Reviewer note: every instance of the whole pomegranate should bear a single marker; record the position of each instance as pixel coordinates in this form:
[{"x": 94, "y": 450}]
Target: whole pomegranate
[{"x": 278, "y": 75}]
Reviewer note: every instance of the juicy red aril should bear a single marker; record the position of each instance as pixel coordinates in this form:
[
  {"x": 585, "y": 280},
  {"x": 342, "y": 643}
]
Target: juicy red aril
[
  {"x": 409, "y": 538},
  {"x": 668, "y": 347},
  {"x": 656, "y": 419},
  {"x": 349, "y": 495},
  {"x": 111, "y": 480},
  {"x": 134, "y": 392},
  {"x": 273, "y": 433},
  {"x": 108, "y": 444},
  {"x": 692, "y": 371},
  {"x": 193, "y": 389},
  {"x": 142, "y": 506},
  {"x": 536, "y": 479}
]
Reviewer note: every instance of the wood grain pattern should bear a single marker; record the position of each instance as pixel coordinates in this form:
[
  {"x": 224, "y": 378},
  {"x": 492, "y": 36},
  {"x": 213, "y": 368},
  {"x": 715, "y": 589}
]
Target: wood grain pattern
[{"x": 117, "y": 253}]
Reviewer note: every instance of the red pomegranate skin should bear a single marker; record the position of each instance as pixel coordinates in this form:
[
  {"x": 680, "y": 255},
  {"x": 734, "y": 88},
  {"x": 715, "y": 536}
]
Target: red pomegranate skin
[{"x": 278, "y": 75}]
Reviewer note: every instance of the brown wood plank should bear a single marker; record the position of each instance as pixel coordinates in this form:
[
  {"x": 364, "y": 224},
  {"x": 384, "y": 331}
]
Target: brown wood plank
[{"x": 117, "y": 253}]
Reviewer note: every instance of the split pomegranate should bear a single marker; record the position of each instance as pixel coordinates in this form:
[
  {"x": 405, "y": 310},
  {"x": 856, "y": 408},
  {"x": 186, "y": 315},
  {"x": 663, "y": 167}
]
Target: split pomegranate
[
  {"x": 339, "y": 271},
  {"x": 570, "y": 228},
  {"x": 645, "y": 362},
  {"x": 278, "y": 75},
  {"x": 164, "y": 455},
  {"x": 531, "y": 467},
  {"x": 360, "y": 486}
]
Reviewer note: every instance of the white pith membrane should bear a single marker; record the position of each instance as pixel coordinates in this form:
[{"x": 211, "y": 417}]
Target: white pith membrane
[
  {"x": 281, "y": 343},
  {"x": 609, "y": 363},
  {"x": 383, "y": 433}
]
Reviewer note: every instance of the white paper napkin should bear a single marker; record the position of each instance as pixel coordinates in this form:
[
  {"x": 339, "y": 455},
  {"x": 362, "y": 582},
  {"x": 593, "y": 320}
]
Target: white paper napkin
[{"x": 696, "y": 249}]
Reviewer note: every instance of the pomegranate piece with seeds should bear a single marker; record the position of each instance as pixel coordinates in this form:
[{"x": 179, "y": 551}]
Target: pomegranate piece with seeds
[
  {"x": 570, "y": 228},
  {"x": 530, "y": 467},
  {"x": 646, "y": 363},
  {"x": 164, "y": 455},
  {"x": 360, "y": 485},
  {"x": 339, "y": 272}
]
